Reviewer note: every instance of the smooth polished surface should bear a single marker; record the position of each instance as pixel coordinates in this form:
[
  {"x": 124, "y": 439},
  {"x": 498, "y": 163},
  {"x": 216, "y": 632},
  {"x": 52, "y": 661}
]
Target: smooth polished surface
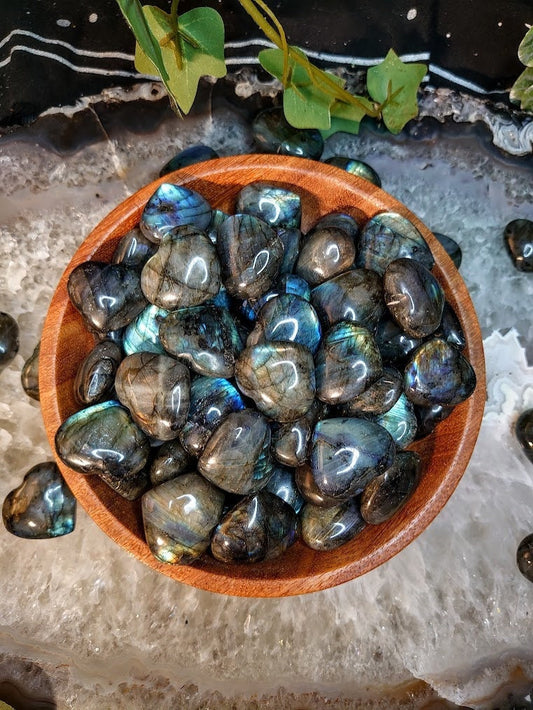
[{"x": 323, "y": 189}]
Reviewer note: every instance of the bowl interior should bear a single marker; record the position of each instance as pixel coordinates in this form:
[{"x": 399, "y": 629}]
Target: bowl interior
[{"x": 322, "y": 188}]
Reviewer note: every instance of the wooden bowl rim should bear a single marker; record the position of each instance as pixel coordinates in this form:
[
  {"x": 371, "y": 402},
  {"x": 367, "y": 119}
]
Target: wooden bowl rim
[{"x": 255, "y": 580}]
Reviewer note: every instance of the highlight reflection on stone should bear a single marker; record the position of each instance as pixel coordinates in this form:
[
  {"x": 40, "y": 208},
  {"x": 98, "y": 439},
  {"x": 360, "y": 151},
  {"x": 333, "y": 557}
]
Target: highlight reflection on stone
[
  {"x": 279, "y": 377},
  {"x": 386, "y": 494},
  {"x": 389, "y": 236},
  {"x": 329, "y": 528},
  {"x": 258, "y": 528},
  {"x": 155, "y": 388},
  {"x": 42, "y": 506},
  {"x": 275, "y": 205},
  {"x": 108, "y": 296},
  {"x": 347, "y": 453},
  {"x": 133, "y": 250},
  {"x": 325, "y": 253},
  {"x": 9, "y": 338},
  {"x": 173, "y": 206},
  {"x": 437, "y": 373},
  {"x": 103, "y": 439},
  {"x": 283, "y": 485},
  {"x": 400, "y": 421},
  {"x": 183, "y": 272},
  {"x": 206, "y": 337},
  {"x": 307, "y": 486},
  {"x": 450, "y": 328},
  {"x": 211, "y": 400},
  {"x": 178, "y": 518},
  {"x": 290, "y": 441},
  {"x": 413, "y": 296},
  {"x": 237, "y": 456},
  {"x": 429, "y": 417},
  {"x": 251, "y": 253},
  {"x": 518, "y": 237},
  {"x": 347, "y": 363},
  {"x": 95, "y": 377}
]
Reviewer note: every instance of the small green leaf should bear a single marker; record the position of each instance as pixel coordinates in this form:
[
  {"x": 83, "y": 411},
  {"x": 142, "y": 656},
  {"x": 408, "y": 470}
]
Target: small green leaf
[
  {"x": 133, "y": 13},
  {"x": 525, "y": 49},
  {"x": 394, "y": 85},
  {"x": 306, "y": 100},
  {"x": 199, "y": 47},
  {"x": 522, "y": 90}
]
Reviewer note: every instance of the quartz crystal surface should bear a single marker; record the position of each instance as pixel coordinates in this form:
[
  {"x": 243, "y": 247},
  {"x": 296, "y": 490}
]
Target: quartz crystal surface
[{"x": 83, "y": 622}]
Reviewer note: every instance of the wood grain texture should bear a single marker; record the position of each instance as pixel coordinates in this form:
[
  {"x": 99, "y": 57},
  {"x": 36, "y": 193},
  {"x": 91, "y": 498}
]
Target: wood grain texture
[{"x": 323, "y": 188}]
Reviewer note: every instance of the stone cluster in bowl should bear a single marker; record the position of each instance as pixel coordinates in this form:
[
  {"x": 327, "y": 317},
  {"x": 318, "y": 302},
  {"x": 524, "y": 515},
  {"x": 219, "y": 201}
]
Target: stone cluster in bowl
[{"x": 263, "y": 382}]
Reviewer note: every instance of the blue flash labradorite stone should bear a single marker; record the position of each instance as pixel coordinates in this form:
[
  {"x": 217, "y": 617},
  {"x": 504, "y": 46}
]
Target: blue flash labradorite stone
[
  {"x": 287, "y": 317},
  {"x": 9, "y": 338},
  {"x": 260, "y": 527},
  {"x": 133, "y": 250},
  {"x": 437, "y": 373},
  {"x": 347, "y": 453},
  {"x": 108, "y": 296},
  {"x": 356, "y": 295},
  {"x": 184, "y": 271},
  {"x": 325, "y": 253},
  {"x": 211, "y": 400},
  {"x": 103, "y": 439},
  {"x": 355, "y": 167},
  {"x": 400, "y": 421},
  {"x": 155, "y": 389},
  {"x": 29, "y": 376},
  {"x": 179, "y": 516},
  {"x": 95, "y": 377},
  {"x": 379, "y": 397},
  {"x": 287, "y": 283},
  {"x": 206, "y": 337},
  {"x": 386, "y": 494},
  {"x": 170, "y": 460},
  {"x": 142, "y": 334},
  {"x": 450, "y": 247},
  {"x": 173, "y": 206},
  {"x": 413, "y": 296},
  {"x": 329, "y": 528},
  {"x": 389, "y": 236},
  {"x": 273, "y": 134},
  {"x": 189, "y": 156},
  {"x": 42, "y": 506},
  {"x": 237, "y": 456},
  {"x": 279, "y": 377},
  {"x": 251, "y": 253},
  {"x": 347, "y": 362},
  {"x": 275, "y": 205},
  {"x": 283, "y": 485}
]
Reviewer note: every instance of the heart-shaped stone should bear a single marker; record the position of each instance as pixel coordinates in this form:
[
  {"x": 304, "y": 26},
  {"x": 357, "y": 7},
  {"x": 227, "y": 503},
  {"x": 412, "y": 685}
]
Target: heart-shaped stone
[
  {"x": 42, "y": 506},
  {"x": 108, "y": 296}
]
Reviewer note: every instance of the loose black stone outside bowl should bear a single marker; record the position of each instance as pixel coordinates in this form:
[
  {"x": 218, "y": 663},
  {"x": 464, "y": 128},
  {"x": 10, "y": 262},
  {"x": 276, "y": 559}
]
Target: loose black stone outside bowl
[{"x": 445, "y": 453}]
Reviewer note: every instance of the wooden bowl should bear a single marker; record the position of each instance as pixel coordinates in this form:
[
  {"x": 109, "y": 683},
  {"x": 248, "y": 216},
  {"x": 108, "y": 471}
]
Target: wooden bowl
[{"x": 65, "y": 342}]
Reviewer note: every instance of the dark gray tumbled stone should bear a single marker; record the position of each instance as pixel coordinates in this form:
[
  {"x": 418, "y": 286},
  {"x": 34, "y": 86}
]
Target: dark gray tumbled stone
[
  {"x": 183, "y": 272},
  {"x": 170, "y": 460},
  {"x": 450, "y": 247},
  {"x": 325, "y": 253},
  {"x": 524, "y": 432},
  {"x": 29, "y": 377},
  {"x": 437, "y": 373},
  {"x": 9, "y": 339},
  {"x": 379, "y": 397},
  {"x": 290, "y": 441},
  {"x": 275, "y": 205},
  {"x": 273, "y": 134},
  {"x": 133, "y": 250},
  {"x": 400, "y": 421},
  {"x": 279, "y": 377},
  {"x": 104, "y": 440},
  {"x": 188, "y": 156},
  {"x": 329, "y": 528},
  {"x": 387, "y": 493},
  {"x": 283, "y": 485},
  {"x": 307, "y": 486},
  {"x": 95, "y": 377},
  {"x": 42, "y": 506},
  {"x": 518, "y": 237},
  {"x": 237, "y": 456},
  {"x": 355, "y": 167},
  {"x": 260, "y": 527},
  {"x": 108, "y": 296},
  {"x": 179, "y": 516},
  {"x": 524, "y": 557},
  {"x": 413, "y": 296},
  {"x": 450, "y": 328}
]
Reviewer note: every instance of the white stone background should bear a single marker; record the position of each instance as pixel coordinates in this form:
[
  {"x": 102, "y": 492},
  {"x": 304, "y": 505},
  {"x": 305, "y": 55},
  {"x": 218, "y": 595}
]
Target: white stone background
[{"x": 451, "y": 610}]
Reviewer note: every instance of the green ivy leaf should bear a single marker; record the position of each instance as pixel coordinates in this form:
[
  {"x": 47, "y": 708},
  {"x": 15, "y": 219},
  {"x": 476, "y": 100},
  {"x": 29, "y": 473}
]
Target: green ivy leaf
[
  {"x": 525, "y": 49},
  {"x": 522, "y": 90},
  {"x": 394, "y": 85},
  {"x": 306, "y": 103},
  {"x": 134, "y": 15},
  {"x": 197, "y": 51}
]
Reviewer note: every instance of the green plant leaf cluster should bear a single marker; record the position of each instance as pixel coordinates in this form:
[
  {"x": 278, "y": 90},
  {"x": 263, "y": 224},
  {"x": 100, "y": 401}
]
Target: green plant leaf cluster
[
  {"x": 522, "y": 90},
  {"x": 183, "y": 48}
]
